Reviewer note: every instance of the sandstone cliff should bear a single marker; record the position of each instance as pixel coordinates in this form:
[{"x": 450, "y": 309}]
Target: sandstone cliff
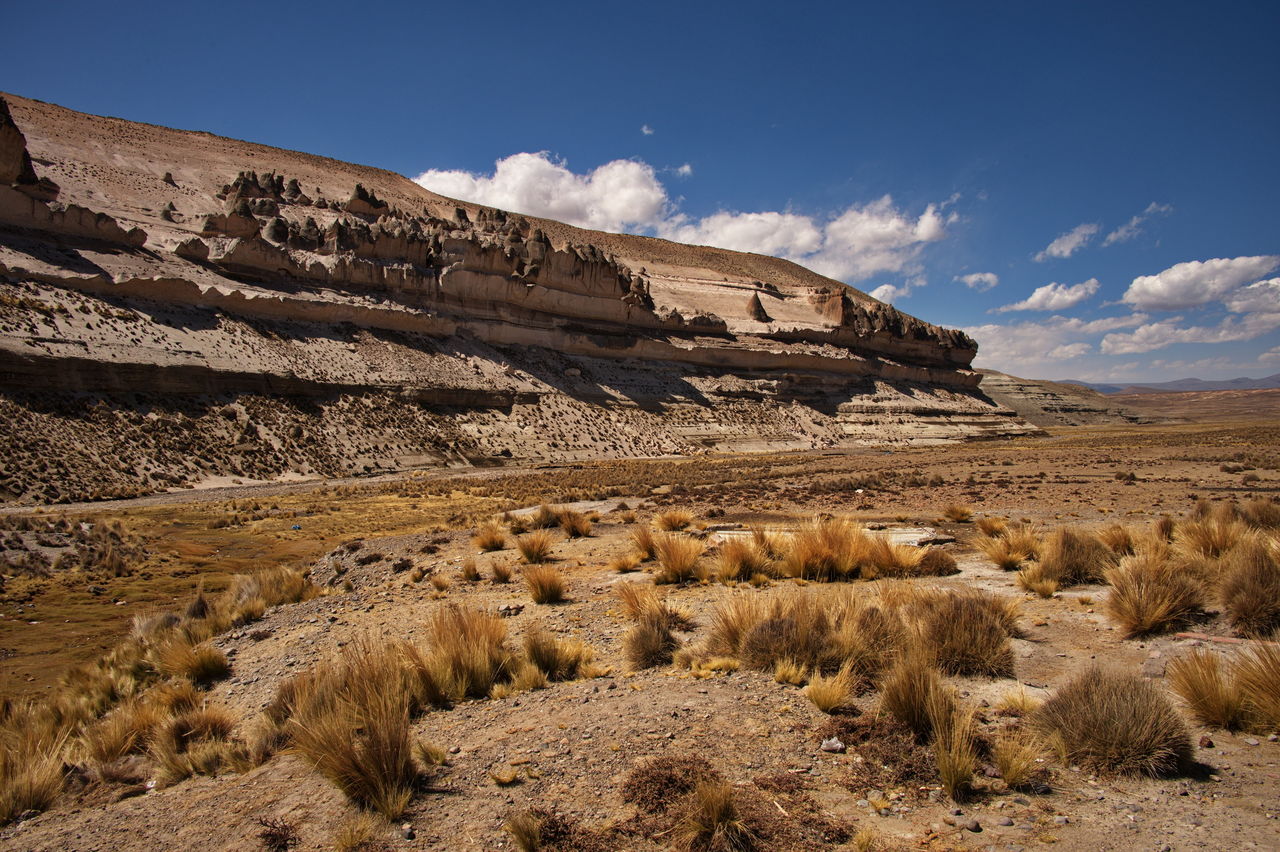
[{"x": 176, "y": 307}]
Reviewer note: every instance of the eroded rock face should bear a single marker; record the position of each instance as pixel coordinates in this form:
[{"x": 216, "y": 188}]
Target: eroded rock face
[{"x": 238, "y": 276}]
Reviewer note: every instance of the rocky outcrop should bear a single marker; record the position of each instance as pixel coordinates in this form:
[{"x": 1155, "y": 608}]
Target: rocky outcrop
[{"x": 168, "y": 267}]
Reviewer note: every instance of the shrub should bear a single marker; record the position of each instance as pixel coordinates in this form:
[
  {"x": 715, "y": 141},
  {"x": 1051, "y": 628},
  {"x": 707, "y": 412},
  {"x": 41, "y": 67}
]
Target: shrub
[
  {"x": 1115, "y": 722},
  {"x": 1150, "y": 595},
  {"x": 467, "y": 654},
  {"x": 678, "y": 558},
  {"x": 1250, "y": 587},
  {"x": 489, "y": 538},
  {"x": 673, "y": 520},
  {"x": 545, "y": 583},
  {"x": 1212, "y": 697},
  {"x": 658, "y": 784},
  {"x": 535, "y": 547}
]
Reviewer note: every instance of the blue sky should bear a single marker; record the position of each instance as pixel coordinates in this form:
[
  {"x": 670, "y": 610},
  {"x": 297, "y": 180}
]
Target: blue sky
[{"x": 1088, "y": 188}]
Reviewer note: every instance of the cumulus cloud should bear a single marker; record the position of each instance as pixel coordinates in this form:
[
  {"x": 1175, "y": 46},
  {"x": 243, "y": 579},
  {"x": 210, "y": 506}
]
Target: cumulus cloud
[
  {"x": 1054, "y": 297},
  {"x": 1069, "y": 243},
  {"x": 1158, "y": 335},
  {"x": 618, "y": 195},
  {"x": 1271, "y": 356},
  {"x": 1039, "y": 347},
  {"x": 853, "y": 244},
  {"x": 1262, "y": 297},
  {"x": 646, "y": 130},
  {"x": 980, "y": 281},
  {"x": 1133, "y": 227},
  {"x": 1196, "y": 282}
]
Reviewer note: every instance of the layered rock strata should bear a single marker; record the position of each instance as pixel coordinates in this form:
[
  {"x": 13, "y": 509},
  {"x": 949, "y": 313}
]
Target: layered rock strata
[{"x": 150, "y": 276}]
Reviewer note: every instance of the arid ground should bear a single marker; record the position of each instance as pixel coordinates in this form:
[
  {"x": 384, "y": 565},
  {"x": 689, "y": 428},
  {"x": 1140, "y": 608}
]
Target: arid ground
[{"x": 577, "y": 759}]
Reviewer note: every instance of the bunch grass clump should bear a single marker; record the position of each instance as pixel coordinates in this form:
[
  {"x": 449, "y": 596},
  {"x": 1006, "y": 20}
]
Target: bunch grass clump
[
  {"x": 673, "y": 520},
  {"x": 545, "y": 583},
  {"x": 535, "y": 547},
  {"x": 489, "y": 538},
  {"x": 1150, "y": 594},
  {"x": 1249, "y": 587},
  {"x": 1114, "y": 722},
  {"x": 679, "y": 558}
]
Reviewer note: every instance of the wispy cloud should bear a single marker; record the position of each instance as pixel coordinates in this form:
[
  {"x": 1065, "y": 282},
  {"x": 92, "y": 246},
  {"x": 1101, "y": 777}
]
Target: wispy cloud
[
  {"x": 646, "y": 130},
  {"x": 1133, "y": 227},
  {"x": 1069, "y": 243}
]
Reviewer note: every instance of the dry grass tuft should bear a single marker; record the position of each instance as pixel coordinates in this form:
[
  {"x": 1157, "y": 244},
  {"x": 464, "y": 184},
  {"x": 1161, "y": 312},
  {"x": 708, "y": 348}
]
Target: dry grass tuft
[
  {"x": 832, "y": 693},
  {"x": 1210, "y": 536},
  {"x": 1213, "y": 698},
  {"x": 1256, "y": 671},
  {"x": 1069, "y": 556},
  {"x": 1017, "y": 702},
  {"x": 1250, "y": 587},
  {"x": 828, "y": 550},
  {"x": 31, "y": 771},
  {"x": 545, "y": 583},
  {"x": 1018, "y": 755},
  {"x": 1119, "y": 539},
  {"x": 1115, "y": 722},
  {"x": 710, "y": 820},
  {"x": 953, "y": 743},
  {"x": 958, "y": 513},
  {"x": 741, "y": 559},
  {"x": 913, "y": 693},
  {"x": 501, "y": 572},
  {"x": 489, "y": 538},
  {"x": 1002, "y": 552},
  {"x": 357, "y": 832},
  {"x": 574, "y": 524},
  {"x": 936, "y": 562},
  {"x": 557, "y": 659},
  {"x": 525, "y": 829},
  {"x": 625, "y": 564},
  {"x": 967, "y": 634},
  {"x": 195, "y": 742},
  {"x": 535, "y": 547},
  {"x": 679, "y": 558},
  {"x": 991, "y": 526},
  {"x": 658, "y": 784},
  {"x": 650, "y": 641},
  {"x": 201, "y": 664},
  {"x": 1149, "y": 594},
  {"x": 673, "y": 520},
  {"x": 645, "y": 543}
]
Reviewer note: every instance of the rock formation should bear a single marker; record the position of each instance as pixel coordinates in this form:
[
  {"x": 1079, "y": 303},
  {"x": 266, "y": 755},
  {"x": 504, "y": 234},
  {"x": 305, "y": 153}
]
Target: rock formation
[{"x": 179, "y": 273}]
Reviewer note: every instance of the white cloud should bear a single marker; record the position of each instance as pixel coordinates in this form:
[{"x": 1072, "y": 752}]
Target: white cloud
[
  {"x": 1260, "y": 297},
  {"x": 1054, "y": 297},
  {"x": 1157, "y": 335},
  {"x": 1069, "y": 243},
  {"x": 1133, "y": 227},
  {"x": 858, "y": 242},
  {"x": 979, "y": 281},
  {"x": 1038, "y": 347},
  {"x": 1196, "y": 282},
  {"x": 889, "y": 293},
  {"x": 646, "y": 130},
  {"x": 1271, "y": 356},
  {"x": 618, "y": 195}
]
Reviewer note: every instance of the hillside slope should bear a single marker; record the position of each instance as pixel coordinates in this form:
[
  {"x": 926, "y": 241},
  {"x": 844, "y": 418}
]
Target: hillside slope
[{"x": 178, "y": 308}]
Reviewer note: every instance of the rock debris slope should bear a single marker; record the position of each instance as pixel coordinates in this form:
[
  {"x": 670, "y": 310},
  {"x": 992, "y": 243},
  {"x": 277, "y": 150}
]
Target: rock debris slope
[{"x": 176, "y": 307}]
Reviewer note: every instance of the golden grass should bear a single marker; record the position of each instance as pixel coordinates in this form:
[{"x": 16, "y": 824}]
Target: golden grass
[
  {"x": 195, "y": 742},
  {"x": 740, "y": 559},
  {"x": 827, "y": 550},
  {"x": 953, "y": 743},
  {"x": 202, "y": 664},
  {"x": 673, "y": 520},
  {"x": 1256, "y": 671},
  {"x": 575, "y": 524},
  {"x": 1002, "y": 552},
  {"x": 1016, "y": 702},
  {"x": 645, "y": 543},
  {"x": 557, "y": 659},
  {"x": 545, "y": 583},
  {"x": 535, "y": 547},
  {"x": 650, "y": 641},
  {"x": 991, "y": 526},
  {"x": 525, "y": 829},
  {"x": 1069, "y": 556},
  {"x": 1212, "y": 697},
  {"x": 679, "y": 558},
  {"x": 31, "y": 771},
  {"x": 489, "y": 538},
  {"x": 357, "y": 832},
  {"x": 830, "y": 693},
  {"x": 958, "y": 513},
  {"x": 1017, "y": 755},
  {"x": 1209, "y": 536},
  {"x": 625, "y": 564},
  {"x": 913, "y": 693},
  {"x": 1150, "y": 595},
  {"x": 710, "y": 820},
  {"x": 501, "y": 572}
]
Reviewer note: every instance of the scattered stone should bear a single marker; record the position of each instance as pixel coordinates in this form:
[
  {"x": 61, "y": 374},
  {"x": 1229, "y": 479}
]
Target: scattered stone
[
  {"x": 1005, "y": 821},
  {"x": 833, "y": 745},
  {"x": 1251, "y": 741},
  {"x": 1061, "y": 820},
  {"x": 1206, "y": 741}
]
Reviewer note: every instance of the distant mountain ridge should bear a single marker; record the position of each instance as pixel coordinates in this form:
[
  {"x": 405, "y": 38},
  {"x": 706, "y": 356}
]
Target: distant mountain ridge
[{"x": 1184, "y": 385}]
